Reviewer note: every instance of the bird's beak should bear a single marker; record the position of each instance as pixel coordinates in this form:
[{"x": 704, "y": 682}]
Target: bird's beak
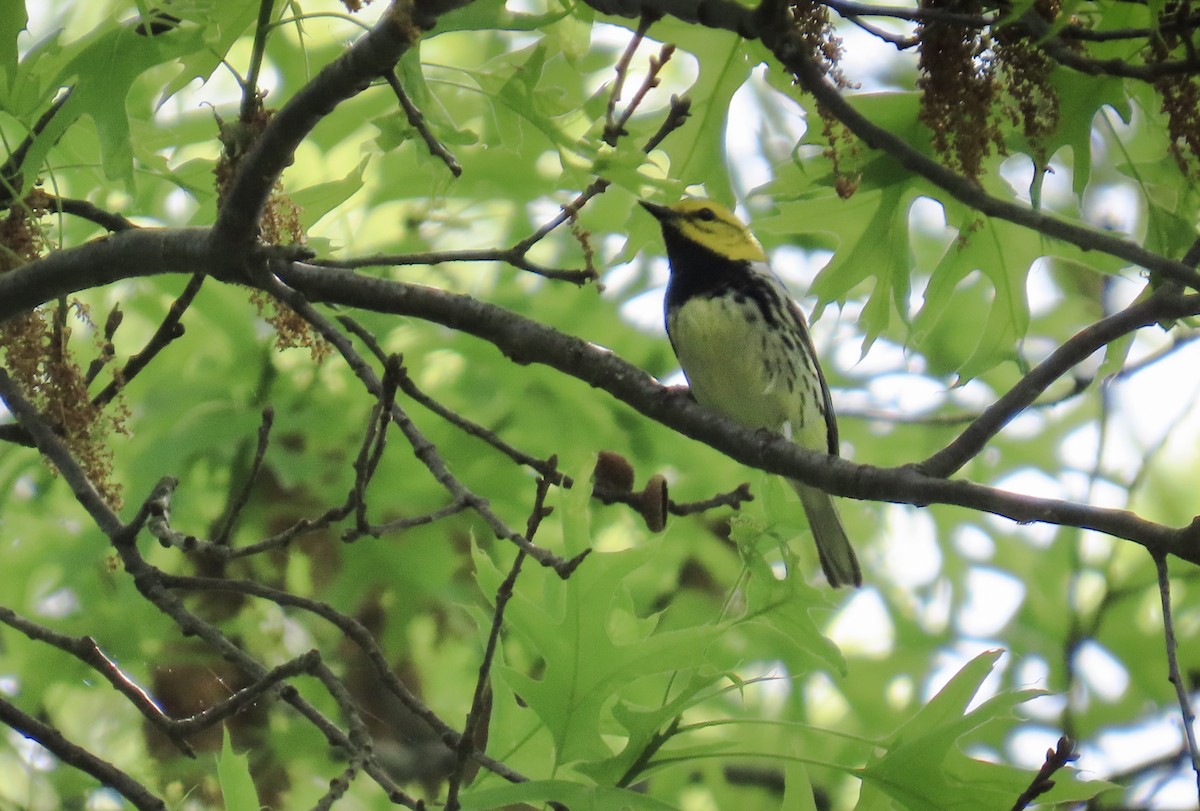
[{"x": 661, "y": 213}]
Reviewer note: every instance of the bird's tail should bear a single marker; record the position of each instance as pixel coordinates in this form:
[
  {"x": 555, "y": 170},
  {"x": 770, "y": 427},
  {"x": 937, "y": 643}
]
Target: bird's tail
[{"x": 833, "y": 547}]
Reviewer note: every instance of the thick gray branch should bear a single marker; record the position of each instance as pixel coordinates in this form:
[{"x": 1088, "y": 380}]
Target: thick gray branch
[{"x": 126, "y": 255}]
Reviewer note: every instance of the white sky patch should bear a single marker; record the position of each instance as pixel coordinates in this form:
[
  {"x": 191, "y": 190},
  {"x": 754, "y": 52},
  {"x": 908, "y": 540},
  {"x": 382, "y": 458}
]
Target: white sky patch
[
  {"x": 645, "y": 311},
  {"x": 30, "y": 753},
  {"x": 973, "y": 543},
  {"x": 934, "y": 611},
  {"x": 872, "y": 63},
  {"x": 751, "y": 168},
  {"x": 1055, "y": 192},
  {"x": 1101, "y": 672},
  {"x": 826, "y": 704},
  {"x": 910, "y": 553},
  {"x": 1025, "y": 426},
  {"x": 1154, "y": 738},
  {"x": 1114, "y": 207},
  {"x": 1044, "y": 294},
  {"x": 899, "y": 692},
  {"x": 863, "y": 626},
  {"x": 60, "y": 603},
  {"x": 798, "y": 267},
  {"x": 1027, "y": 748},
  {"x": 1033, "y": 673},
  {"x": 993, "y": 597},
  {"x": 1030, "y": 482},
  {"x": 1162, "y": 398},
  {"x": 906, "y": 393},
  {"x": 1089, "y": 589}
]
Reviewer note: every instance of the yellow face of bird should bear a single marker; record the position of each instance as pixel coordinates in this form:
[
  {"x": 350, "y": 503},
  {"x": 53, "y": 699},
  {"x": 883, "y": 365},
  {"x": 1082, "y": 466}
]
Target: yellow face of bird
[{"x": 710, "y": 225}]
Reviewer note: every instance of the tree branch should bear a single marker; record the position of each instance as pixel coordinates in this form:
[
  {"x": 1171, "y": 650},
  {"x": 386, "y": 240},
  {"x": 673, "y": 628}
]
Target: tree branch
[
  {"x": 125, "y": 255},
  {"x": 74, "y": 755},
  {"x": 526, "y": 341},
  {"x": 149, "y": 581},
  {"x": 779, "y": 35},
  {"x": 424, "y": 450},
  {"x": 372, "y": 55},
  {"x": 1165, "y": 303}
]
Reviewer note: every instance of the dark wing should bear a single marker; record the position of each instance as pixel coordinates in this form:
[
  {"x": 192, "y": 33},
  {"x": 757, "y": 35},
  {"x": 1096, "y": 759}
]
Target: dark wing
[{"x": 831, "y": 429}]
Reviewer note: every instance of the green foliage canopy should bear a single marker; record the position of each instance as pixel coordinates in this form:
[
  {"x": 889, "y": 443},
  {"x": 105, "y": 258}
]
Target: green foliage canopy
[{"x": 336, "y": 567}]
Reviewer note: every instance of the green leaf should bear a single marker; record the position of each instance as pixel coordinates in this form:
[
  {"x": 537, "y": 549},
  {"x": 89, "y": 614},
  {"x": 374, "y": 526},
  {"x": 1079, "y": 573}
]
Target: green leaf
[
  {"x": 233, "y": 773},
  {"x": 871, "y": 231},
  {"x": 317, "y": 201},
  {"x": 587, "y": 664},
  {"x": 1002, "y": 252},
  {"x": 102, "y": 73},
  {"x": 922, "y": 768},
  {"x": 222, "y": 24},
  {"x": 13, "y": 18},
  {"x": 797, "y": 787},
  {"x": 643, "y": 726},
  {"x": 1079, "y": 102},
  {"x": 576, "y": 796},
  {"x": 523, "y": 88},
  {"x": 485, "y": 15},
  {"x": 697, "y": 151}
]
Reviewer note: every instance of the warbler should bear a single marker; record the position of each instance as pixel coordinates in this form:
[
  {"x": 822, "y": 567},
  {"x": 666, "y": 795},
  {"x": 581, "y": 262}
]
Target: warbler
[{"x": 746, "y": 352}]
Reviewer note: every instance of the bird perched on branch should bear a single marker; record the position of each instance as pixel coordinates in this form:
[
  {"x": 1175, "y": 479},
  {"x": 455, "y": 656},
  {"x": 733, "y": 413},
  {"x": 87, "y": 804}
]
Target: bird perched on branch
[{"x": 745, "y": 349}]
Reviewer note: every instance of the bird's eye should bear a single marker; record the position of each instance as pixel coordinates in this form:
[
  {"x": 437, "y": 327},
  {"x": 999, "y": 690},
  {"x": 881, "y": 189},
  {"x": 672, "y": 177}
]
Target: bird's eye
[{"x": 706, "y": 214}]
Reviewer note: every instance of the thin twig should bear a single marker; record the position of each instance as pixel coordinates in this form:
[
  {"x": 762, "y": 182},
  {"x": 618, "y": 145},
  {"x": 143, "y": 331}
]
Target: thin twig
[
  {"x": 251, "y": 96},
  {"x": 424, "y": 450},
  {"x": 243, "y": 698},
  {"x": 543, "y": 467},
  {"x": 466, "y": 743},
  {"x": 89, "y": 211},
  {"x": 1166, "y": 302},
  {"x": 401, "y": 524},
  {"x": 1057, "y": 758},
  {"x": 846, "y": 8},
  {"x": 678, "y": 111},
  {"x": 515, "y": 256},
  {"x": 1175, "y": 677},
  {"x": 169, "y": 330},
  {"x": 902, "y": 43},
  {"x": 378, "y": 50},
  {"x": 600, "y": 184},
  {"x": 612, "y": 129},
  {"x": 417, "y": 120},
  {"x": 527, "y": 341},
  {"x": 76, "y": 756},
  {"x": 234, "y": 511},
  {"x": 353, "y": 630},
  {"x": 150, "y": 582},
  {"x": 10, "y": 190},
  {"x": 651, "y": 82},
  {"x": 518, "y": 255},
  {"x": 53, "y": 448},
  {"x": 107, "y": 351},
  {"x": 88, "y": 651},
  {"x": 1078, "y": 386},
  {"x": 370, "y": 452}
]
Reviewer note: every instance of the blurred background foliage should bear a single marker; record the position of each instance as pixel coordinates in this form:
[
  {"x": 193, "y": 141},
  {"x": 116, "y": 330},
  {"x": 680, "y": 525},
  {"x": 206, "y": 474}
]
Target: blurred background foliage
[{"x": 674, "y": 669}]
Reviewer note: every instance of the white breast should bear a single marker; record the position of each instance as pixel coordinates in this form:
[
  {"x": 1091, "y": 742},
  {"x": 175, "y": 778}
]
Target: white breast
[{"x": 741, "y": 370}]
